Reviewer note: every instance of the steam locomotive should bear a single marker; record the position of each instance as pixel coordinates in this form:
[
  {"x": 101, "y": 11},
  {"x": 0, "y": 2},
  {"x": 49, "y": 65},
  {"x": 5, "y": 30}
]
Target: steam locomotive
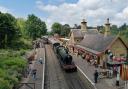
[{"x": 63, "y": 55}]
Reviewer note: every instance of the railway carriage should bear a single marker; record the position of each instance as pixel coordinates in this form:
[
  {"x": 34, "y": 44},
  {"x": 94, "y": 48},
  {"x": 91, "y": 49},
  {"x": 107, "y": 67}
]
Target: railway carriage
[
  {"x": 54, "y": 43},
  {"x": 45, "y": 39}
]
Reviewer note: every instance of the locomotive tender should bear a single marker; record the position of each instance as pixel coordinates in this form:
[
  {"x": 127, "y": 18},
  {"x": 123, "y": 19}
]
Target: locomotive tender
[{"x": 63, "y": 55}]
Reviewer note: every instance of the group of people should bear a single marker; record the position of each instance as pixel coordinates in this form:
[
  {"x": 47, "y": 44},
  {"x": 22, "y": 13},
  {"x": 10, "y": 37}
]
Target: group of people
[
  {"x": 32, "y": 70},
  {"x": 91, "y": 60}
]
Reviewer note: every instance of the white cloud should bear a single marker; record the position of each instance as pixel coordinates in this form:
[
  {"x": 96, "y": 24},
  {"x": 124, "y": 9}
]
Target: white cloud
[
  {"x": 125, "y": 12},
  {"x": 4, "y": 9},
  {"x": 94, "y": 11},
  {"x": 39, "y": 2},
  {"x": 47, "y": 8}
]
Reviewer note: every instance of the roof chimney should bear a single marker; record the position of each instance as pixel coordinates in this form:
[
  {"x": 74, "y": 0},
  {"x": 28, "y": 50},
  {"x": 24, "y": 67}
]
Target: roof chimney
[
  {"x": 84, "y": 26},
  {"x": 107, "y": 28}
]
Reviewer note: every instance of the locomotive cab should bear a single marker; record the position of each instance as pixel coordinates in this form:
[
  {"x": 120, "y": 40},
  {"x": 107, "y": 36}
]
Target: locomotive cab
[{"x": 68, "y": 60}]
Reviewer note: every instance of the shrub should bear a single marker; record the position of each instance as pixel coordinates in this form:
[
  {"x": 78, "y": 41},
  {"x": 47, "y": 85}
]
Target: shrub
[
  {"x": 17, "y": 61},
  {"x": 11, "y": 67},
  {"x": 4, "y": 84}
]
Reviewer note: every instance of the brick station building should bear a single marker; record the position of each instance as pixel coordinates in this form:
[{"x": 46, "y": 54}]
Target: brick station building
[{"x": 107, "y": 49}]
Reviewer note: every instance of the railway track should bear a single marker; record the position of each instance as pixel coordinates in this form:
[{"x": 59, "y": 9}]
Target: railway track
[
  {"x": 74, "y": 81},
  {"x": 56, "y": 78},
  {"x": 54, "y": 75}
]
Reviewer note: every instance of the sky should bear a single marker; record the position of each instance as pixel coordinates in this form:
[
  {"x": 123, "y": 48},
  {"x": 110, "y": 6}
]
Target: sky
[{"x": 71, "y": 12}]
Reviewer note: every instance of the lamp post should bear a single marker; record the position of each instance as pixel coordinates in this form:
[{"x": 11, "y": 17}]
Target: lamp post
[{"x": 118, "y": 76}]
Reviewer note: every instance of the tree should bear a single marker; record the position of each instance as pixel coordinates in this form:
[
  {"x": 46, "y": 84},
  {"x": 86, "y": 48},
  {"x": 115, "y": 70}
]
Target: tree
[
  {"x": 8, "y": 29},
  {"x": 65, "y": 30},
  {"x": 101, "y": 29},
  {"x": 21, "y": 25},
  {"x": 123, "y": 27},
  {"x": 114, "y": 29},
  {"x": 35, "y": 27},
  {"x": 56, "y": 28}
]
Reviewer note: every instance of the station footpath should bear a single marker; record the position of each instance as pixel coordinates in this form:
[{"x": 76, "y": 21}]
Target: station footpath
[
  {"x": 88, "y": 70},
  {"x": 35, "y": 84}
]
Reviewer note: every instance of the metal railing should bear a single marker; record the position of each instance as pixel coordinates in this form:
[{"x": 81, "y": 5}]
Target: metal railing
[
  {"x": 28, "y": 85},
  {"x": 43, "y": 68}
]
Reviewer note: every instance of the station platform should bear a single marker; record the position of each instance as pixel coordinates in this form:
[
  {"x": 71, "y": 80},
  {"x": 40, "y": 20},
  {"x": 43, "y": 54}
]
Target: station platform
[
  {"x": 88, "y": 70},
  {"x": 28, "y": 82}
]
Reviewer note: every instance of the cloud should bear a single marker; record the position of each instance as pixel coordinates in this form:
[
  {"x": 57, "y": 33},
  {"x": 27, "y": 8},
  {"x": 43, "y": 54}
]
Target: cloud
[
  {"x": 125, "y": 12},
  {"x": 4, "y": 9},
  {"x": 94, "y": 11}
]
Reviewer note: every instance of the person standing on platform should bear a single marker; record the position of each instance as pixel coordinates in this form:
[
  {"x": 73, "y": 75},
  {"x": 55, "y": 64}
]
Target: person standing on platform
[
  {"x": 95, "y": 76},
  {"x": 40, "y": 60},
  {"x": 34, "y": 74}
]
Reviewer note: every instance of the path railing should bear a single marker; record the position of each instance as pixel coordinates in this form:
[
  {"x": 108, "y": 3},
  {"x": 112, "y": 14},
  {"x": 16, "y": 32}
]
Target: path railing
[{"x": 27, "y": 85}]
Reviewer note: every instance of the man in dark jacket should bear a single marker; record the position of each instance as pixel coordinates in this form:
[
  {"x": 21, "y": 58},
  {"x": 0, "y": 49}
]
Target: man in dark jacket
[
  {"x": 34, "y": 74},
  {"x": 95, "y": 76}
]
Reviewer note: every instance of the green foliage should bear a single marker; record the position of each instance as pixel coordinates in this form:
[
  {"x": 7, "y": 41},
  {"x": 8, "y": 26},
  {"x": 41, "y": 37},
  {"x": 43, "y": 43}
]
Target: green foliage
[
  {"x": 4, "y": 84},
  {"x": 14, "y": 32},
  {"x": 114, "y": 29},
  {"x": 21, "y": 25},
  {"x": 56, "y": 28},
  {"x": 62, "y": 30},
  {"x": 2, "y": 72},
  {"x": 9, "y": 79},
  {"x": 8, "y": 29},
  {"x": 35, "y": 27},
  {"x": 122, "y": 31},
  {"x": 22, "y": 43},
  {"x": 65, "y": 30},
  {"x": 15, "y": 62},
  {"x": 11, "y": 67}
]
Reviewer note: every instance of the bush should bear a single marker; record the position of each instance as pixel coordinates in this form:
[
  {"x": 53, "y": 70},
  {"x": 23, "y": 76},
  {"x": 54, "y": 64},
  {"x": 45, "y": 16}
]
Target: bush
[
  {"x": 2, "y": 73},
  {"x": 12, "y": 79},
  {"x": 22, "y": 44},
  {"x": 11, "y": 67},
  {"x": 19, "y": 62},
  {"x": 4, "y": 84}
]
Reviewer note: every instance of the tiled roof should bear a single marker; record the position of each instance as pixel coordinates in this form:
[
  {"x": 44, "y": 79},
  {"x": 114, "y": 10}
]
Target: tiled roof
[
  {"x": 97, "y": 42},
  {"x": 79, "y": 34},
  {"x": 92, "y": 31}
]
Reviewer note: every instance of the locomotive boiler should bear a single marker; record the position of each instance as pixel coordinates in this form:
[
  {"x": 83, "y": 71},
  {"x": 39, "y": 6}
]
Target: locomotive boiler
[{"x": 65, "y": 59}]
